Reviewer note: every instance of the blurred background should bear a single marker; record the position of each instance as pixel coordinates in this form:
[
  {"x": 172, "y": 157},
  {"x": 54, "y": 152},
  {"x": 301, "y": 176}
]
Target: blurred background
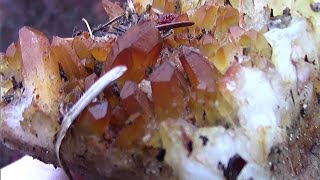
[{"x": 53, "y": 17}]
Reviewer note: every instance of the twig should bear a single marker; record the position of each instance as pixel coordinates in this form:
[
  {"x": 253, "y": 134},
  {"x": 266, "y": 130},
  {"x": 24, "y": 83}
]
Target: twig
[
  {"x": 106, "y": 24},
  {"x": 119, "y": 29},
  {"x": 87, "y": 97},
  {"x": 173, "y": 25}
]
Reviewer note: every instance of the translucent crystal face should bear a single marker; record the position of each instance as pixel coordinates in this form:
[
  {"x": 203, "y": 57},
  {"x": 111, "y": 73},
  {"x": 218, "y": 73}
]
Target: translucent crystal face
[
  {"x": 135, "y": 101},
  {"x": 95, "y": 118},
  {"x": 138, "y": 49},
  {"x": 167, "y": 92}
]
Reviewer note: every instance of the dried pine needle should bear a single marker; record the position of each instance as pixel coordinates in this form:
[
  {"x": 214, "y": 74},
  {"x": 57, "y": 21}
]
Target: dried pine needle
[{"x": 88, "y": 27}]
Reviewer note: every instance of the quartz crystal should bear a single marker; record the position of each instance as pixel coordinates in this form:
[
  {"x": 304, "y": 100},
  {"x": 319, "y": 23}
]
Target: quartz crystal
[
  {"x": 63, "y": 52},
  {"x": 135, "y": 101},
  {"x": 137, "y": 49},
  {"x": 40, "y": 73},
  {"x": 94, "y": 118},
  {"x": 167, "y": 91}
]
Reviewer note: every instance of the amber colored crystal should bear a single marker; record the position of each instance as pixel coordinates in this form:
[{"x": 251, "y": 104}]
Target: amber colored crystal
[
  {"x": 5, "y": 69},
  {"x": 229, "y": 76},
  {"x": 208, "y": 45},
  {"x": 255, "y": 42},
  {"x": 215, "y": 18},
  {"x": 89, "y": 81},
  {"x": 205, "y": 17},
  {"x": 171, "y": 42},
  {"x": 11, "y": 50},
  {"x": 74, "y": 95},
  {"x": 197, "y": 17},
  {"x": 135, "y": 101},
  {"x": 41, "y": 74},
  {"x": 13, "y": 56},
  {"x": 132, "y": 134},
  {"x": 225, "y": 56},
  {"x": 202, "y": 77},
  {"x": 137, "y": 49},
  {"x": 71, "y": 84},
  {"x": 62, "y": 52},
  {"x": 6, "y": 86},
  {"x": 181, "y": 38},
  {"x": 236, "y": 33},
  {"x": 159, "y": 5},
  {"x": 210, "y": 19},
  {"x": 139, "y": 7},
  {"x": 185, "y": 6},
  {"x": 101, "y": 50},
  {"x": 170, "y": 6},
  {"x": 165, "y": 6},
  {"x": 94, "y": 118},
  {"x": 227, "y": 18},
  {"x": 88, "y": 64},
  {"x": 181, "y": 17},
  {"x": 82, "y": 44},
  {"x": 181, "y": 35},
  {"x": 10, "y": 63},
  {"x": 167, "y": 91},
  {"x": 111, "y": 93},
  {"x": 119, "y": 117},
  {"x": 199, "y": 71},
  {"x": 112, "y": 9},
  {"x": 225, "y": 104}
]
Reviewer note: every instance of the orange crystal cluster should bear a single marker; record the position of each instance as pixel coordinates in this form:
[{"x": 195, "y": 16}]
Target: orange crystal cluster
[{"x": 183, "y": 70}]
